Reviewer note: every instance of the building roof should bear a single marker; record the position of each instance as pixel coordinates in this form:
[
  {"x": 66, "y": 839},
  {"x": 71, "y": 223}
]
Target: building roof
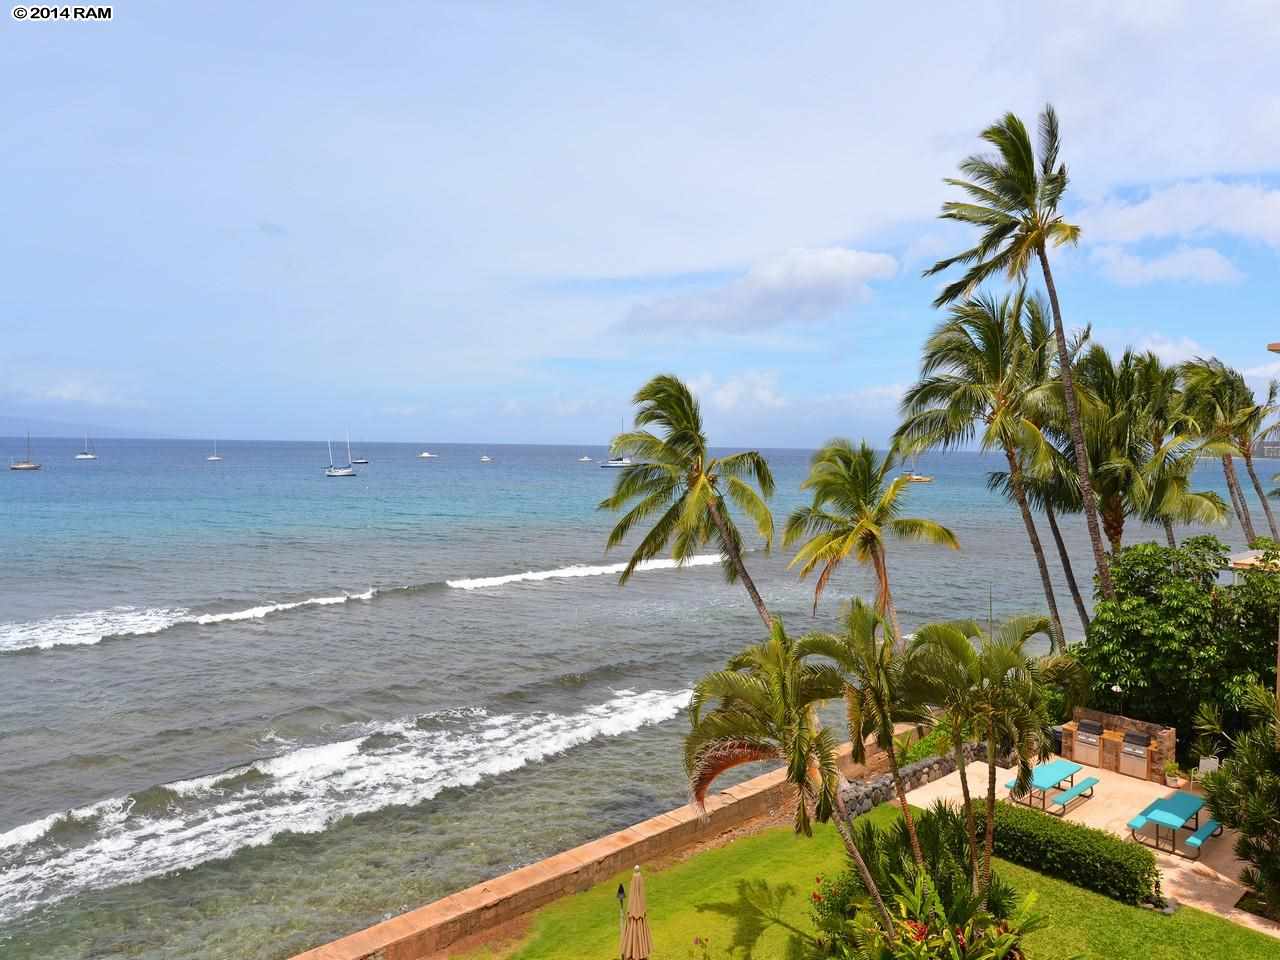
[{"x": 1248, "y": 560}]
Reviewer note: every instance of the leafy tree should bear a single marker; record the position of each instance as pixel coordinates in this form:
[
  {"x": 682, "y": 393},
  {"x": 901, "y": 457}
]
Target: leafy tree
[
  {"x": 1244, "y": 793},
  {"x": 855, "y": 509},
  {"x": 763, "y": 707},
  {"x": 685, "y": 487},
  {"x": 1013, "y": 198},
  {"x": 1175, "y": 636}
]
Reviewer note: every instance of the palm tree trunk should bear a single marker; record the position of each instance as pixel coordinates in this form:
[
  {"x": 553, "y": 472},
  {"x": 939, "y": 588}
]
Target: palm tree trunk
[
  {"x": 1113, "y": 522},
  {"x": 735, "y": 557},
  {"x": 1020, "y": 495},
  {"x": 868, "y": 881},
  {"x": 970, "y": 821},
  {"x": 901, "y": 788},
  {"x": 884, "y": 597},
  {"x": 1237, "y": 497},
  {"x": 1067, "y": 570},
  {"x": 1168, "y": 533},
  {"x": 990, "y": 840},
  {"x": 1077, "y": 432},
  {"x": 1262, "y": 494}
]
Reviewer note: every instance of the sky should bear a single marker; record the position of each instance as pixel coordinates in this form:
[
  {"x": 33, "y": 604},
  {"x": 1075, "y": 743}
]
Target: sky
[{"x": 493, "y": 222}]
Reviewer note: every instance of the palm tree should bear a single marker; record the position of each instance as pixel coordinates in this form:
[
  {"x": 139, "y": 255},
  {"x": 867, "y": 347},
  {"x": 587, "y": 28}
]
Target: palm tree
[
  {"x": 855, "y": 508},
  {"x": 1136, "y": 470},
  {"x": 1014, "y": 201},
  {"x": 765, "y": 710},
  {"x": 946, "y": 673},
  {"x": 977, "y": 371},
  {"x": 1221, "y": 405},
  {"x": 1010, "y": 711},
  {"x": 876, "y": 681},
  {"x": 681, "y": 481}
]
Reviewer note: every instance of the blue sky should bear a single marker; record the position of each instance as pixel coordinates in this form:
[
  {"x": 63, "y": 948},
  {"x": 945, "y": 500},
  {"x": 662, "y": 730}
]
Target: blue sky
[{"x": 492, "y": 222}]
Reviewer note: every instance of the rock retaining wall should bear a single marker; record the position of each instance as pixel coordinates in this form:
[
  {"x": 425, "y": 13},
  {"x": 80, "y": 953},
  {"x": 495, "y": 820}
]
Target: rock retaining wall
[{"x": 863, "y": 794}]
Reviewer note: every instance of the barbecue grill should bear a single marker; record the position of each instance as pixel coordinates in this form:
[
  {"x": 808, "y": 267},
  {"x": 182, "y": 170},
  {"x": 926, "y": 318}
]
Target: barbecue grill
[
  {"x": 1133, "y": 754},
  {"x": 1088, "y": 733}
]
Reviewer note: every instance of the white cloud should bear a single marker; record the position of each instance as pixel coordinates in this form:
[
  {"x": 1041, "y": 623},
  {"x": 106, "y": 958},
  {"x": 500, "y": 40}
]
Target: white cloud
[
  {"x": 801, "y": 285},
  {"x": 752, "y": 390},
  {"x": 1170, "y": 350},
  {"x": 49, "y": 387},
  {"x": 1197, "y": 264},
  {"x": 1263, "y": 371},
  {"x": 875, "y": 399},
  {"x": 1186, "y": 210}
]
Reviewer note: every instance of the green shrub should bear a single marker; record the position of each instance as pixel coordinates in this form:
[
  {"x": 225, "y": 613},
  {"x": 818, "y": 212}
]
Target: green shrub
[
  {"x": 1089, "y": 858},
  {"x": 935, "y": 743}
]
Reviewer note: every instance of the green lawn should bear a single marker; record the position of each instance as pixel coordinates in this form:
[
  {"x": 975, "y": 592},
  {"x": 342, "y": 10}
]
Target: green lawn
[{"x": 749, "y": 899}]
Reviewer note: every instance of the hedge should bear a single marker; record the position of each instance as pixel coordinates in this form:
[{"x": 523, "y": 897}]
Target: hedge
[{"x": 1089, "y": 858}]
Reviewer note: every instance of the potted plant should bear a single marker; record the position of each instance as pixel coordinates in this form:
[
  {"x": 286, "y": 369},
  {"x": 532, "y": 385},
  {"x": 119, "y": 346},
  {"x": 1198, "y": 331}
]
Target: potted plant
[{"x": 1172, "y": 775}]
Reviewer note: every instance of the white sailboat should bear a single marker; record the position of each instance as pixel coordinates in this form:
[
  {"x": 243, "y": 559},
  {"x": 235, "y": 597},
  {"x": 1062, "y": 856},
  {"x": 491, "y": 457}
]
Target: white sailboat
[
  {"x": 485, "y": 458},
  {"x": 87, "y": 453},
  {"x": 913, "y": 477},
  {"x": 426, "y": 455},
  {"x": 332, "y": 471},
  {"x": 584, "y": 459},
  {"x": 615, "y": 463},
  {"x": 349, "y": 458},
  {"x": 213, "y": 457},
  {"x": 26, "y": 463}
]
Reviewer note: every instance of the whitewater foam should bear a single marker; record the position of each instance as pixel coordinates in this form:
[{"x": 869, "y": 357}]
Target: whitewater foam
[
  {"x": 77, "y": 629},
  {"x": 301, "y": 791},
  {"x": 580, "y": 570}
]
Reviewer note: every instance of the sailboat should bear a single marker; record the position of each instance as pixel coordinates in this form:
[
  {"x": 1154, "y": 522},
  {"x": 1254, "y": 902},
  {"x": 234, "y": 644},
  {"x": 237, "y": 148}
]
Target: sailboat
[
  {"x": 614, "y": 463},
  {"x": 332, "y": 471},
  {"x": 87, "y": 453},
  {"x": 349, "y": 460},
  {"x": 584, "y": 459},
  {"x": 426, "y": 455},
  {"x": 485, "y": 458},
  {"x": 913, "y": 477},
  {"x": 26, "y": 463},
  {"x": 213, "y": 457}
]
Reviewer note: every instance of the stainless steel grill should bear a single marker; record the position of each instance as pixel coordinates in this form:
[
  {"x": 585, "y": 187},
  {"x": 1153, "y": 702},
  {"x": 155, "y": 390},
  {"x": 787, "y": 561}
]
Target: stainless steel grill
[
  {"x": 1133, "y": 754},
  {"x": 1088, "y": 734}
]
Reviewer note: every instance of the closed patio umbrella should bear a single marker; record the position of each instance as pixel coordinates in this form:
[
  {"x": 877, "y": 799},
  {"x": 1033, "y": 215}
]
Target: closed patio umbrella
[{"x": 636, "y": 943}]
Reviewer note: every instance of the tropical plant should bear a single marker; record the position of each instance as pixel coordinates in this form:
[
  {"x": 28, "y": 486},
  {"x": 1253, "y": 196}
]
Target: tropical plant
[
  {"x": 1013, "y": 199},
  {"x": 1224, "y": 409},
  {"x": 856, "y": 507},
  {"x": 1137, "y": 469},
  {"x": 1244, "y": 793},
  {"x": 977, "y": 381},
  {"x": 876, "y": 682},
  {"x": 1175, "y": 636},
  {"x": 679, "y": 481},
  {"x": 888, "y": 853},
  {"x": 762, "y": 707}
]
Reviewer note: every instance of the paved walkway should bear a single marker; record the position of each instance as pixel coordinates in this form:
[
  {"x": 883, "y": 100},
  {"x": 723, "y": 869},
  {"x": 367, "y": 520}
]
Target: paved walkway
[{"x": 1208, "y": 883}]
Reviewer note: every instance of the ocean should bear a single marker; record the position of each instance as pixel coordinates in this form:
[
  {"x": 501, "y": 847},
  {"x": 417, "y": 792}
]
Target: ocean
[{"x": 245, "y": 709}]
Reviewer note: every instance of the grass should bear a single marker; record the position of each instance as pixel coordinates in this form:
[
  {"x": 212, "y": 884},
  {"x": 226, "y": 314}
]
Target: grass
[{"x": 749, "y": 901}]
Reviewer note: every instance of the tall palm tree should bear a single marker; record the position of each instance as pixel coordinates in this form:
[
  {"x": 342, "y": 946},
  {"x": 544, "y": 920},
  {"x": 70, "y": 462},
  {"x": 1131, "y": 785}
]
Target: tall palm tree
[
  {"x": 678, "y": 480},
  {"x": 1135, "y": 472},
  {"x": 1220, "y": 402},
  {"x": 1014, "y": 201},
  {"x": 762, "y": 708},
  {"x": 976, "y": 381},
  {"x": 855, "y": 509},
  {"x": 876, "y": 684}
]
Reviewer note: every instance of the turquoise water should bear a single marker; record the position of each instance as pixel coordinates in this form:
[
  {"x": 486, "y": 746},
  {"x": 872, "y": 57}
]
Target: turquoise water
[{"x": 245, "y": 708}]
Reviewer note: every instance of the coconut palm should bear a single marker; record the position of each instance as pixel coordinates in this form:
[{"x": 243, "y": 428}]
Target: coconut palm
[
  {"x": 1135, "y": 471},
  {"x": 977, "y": 380},
  {"x": 1222, "y": 407},
  {"x": 1013, "y": 200},
  {"x": 876, "y": 683},
  {"x": 685, "y": 487},
  {"x": 763, "y": 708},
  {"x": 855, "y": 509}
]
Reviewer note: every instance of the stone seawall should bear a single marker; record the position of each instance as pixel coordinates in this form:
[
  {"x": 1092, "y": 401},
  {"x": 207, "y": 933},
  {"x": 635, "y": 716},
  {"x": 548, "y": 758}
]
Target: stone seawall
[{"x": 432, "y": 928}]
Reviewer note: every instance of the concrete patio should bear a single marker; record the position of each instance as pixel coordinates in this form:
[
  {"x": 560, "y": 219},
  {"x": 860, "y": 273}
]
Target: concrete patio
[{"x": 1209, "y": 883}]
